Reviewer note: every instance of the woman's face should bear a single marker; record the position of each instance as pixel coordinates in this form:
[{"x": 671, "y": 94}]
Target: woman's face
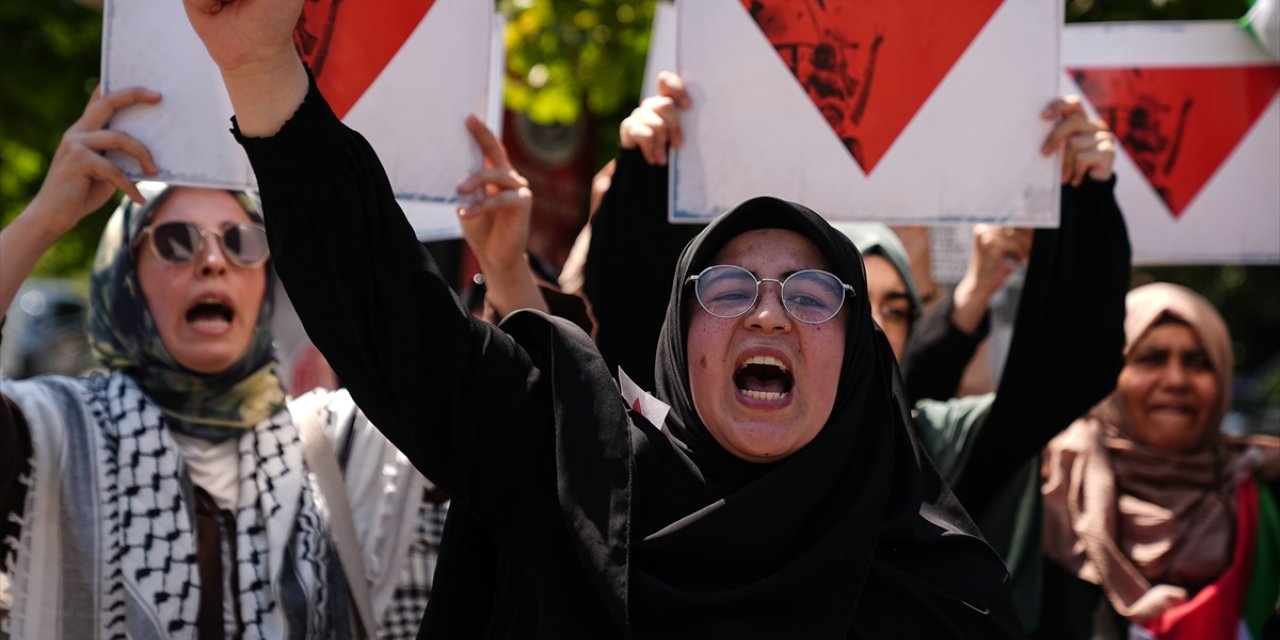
[
  {"x": 1169, "y": 388},
  {"x": 890, "y": 302},
  {"x": 205, "y": 310},
  {"x": 765, "y": 383}
]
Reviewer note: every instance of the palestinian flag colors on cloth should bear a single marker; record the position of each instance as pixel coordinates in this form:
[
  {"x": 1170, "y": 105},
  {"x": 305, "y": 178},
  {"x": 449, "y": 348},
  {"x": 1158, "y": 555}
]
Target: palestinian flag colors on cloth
[
  {"x": 1238, "y": 603},
  {"x": 1196, "y": 109}
]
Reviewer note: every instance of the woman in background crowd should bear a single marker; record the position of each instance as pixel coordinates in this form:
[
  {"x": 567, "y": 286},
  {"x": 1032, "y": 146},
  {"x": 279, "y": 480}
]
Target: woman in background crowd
[{"x": 1157, "y": 525}]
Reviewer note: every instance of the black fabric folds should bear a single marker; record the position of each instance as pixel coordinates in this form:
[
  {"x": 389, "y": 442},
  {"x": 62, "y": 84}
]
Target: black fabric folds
[
  {"x": 574, "y": 517},
  {"x": 854, "y": 535}
]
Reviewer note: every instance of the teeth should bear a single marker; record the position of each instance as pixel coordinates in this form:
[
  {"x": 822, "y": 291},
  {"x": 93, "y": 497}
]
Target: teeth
[
  {"x": 767, "y": 361},
  {"x": 212, "y": 323},
  {"x": 764, "y": 395}
]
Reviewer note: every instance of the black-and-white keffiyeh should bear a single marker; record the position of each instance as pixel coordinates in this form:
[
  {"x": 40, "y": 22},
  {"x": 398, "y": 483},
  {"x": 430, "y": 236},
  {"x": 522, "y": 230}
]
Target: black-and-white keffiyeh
[
  {"x": 404, "y": 615},
  {"x": 280, "y": 532},
  {"x": 115, "y": 526}
]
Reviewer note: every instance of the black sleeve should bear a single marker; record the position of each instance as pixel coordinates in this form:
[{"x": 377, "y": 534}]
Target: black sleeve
[
  {"x": 633, "y": 256},
  {"x": 15, "y": 462},
  {"x": 457, "y": 395},
  {"x": 1068, "y": 339},
  {"x": 939, "y": 352}
]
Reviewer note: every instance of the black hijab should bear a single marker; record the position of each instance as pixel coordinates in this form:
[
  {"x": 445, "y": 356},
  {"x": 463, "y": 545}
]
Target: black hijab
[{"x": 853, "y": 535}]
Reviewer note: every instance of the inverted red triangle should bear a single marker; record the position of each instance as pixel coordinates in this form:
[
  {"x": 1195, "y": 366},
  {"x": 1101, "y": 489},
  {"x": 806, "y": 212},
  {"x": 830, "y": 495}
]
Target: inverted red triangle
[
  {"x": 348, "y": 44},
  {"x": 869, "y": 65},
  {"x": 1179, "y": 124}
]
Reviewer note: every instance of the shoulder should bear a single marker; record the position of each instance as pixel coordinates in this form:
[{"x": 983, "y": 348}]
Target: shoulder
[{"x": 947, "y": 428}]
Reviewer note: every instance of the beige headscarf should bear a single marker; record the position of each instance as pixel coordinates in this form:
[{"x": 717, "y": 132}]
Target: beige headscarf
[{"x": 1145, "y": 524}]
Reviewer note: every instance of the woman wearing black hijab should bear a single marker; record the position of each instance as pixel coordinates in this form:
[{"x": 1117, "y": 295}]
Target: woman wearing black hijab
[{"x": 773, "y": 500}]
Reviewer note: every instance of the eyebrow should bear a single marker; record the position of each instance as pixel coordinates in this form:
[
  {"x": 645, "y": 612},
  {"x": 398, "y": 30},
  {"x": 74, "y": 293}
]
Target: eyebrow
[{"x": 898, "y": 295}]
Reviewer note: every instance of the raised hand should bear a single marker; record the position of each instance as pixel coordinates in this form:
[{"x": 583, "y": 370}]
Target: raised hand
[
  {"x": 655, "y": 124},
  {"x": 242, "y": 34},
  {"x": 251, "y": 41},
  {"x": 79, "y": 181},
  {"x": 496, "y": 224},
  {"x": 1089, "y": 147},
  {"x": 80, "y": 178}
]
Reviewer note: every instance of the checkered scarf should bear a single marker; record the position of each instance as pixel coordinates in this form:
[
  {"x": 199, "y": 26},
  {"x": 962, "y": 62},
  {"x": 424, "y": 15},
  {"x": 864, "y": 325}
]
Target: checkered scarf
[{"x": 150, "y": 543}]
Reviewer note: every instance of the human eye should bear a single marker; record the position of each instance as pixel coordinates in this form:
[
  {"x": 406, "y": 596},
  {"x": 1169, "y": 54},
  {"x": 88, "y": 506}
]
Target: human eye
[
  {"x": 895, "y": 314},
  {"x": 1150, "y": 357},
  {"x": 814, "y": 288},
  {"x": 1197, "y": 361}
]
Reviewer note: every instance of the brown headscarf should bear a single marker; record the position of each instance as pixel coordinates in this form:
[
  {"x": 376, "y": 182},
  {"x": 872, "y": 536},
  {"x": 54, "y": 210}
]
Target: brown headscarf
[{"x": 1146, "y": 524}]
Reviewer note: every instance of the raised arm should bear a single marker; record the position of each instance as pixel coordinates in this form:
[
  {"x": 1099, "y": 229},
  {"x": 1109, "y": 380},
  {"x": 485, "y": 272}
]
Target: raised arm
[
  {"x": 79, "y": 181},
  {"x": 634, "y": 249},
  {"x": 457, "y": 395},
  {"x": 496, "y": 226},
  {"x": 1069, "y": 332},
  {"x": 949, "y": 334}
]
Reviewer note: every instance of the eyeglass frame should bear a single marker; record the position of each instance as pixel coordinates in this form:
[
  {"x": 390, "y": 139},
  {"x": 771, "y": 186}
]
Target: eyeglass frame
[
  {"x": 847, "y": 290},
  {"x": 149, "y": 236}
]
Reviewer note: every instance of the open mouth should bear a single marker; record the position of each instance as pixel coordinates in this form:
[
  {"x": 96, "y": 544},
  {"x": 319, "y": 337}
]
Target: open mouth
[
  {"x": 763, "y": 378},
  {"x": 1181, "y": 409},
  {"x": 210, "y": 313}
]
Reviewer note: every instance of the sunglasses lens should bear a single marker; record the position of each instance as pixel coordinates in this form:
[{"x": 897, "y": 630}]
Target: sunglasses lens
[
  {"x": 726, "y": 291},
  {"x": 813, "y": 296},
  {"x": 245, "y": 243},
  {"x": 176, "y": 241}
]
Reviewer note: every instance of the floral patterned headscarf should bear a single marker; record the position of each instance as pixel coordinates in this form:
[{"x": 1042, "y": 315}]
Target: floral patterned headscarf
[{"x": 123, "y": 336}]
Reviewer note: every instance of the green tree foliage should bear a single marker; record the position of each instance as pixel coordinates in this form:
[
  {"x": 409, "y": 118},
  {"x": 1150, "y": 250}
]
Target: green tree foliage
[
  {"x": 49, "y": 68},
  {"x": 567, "y": 55}
]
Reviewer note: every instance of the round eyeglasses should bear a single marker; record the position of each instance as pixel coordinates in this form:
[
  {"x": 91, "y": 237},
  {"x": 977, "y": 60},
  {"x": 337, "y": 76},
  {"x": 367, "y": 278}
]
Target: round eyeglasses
[
  {"x": 181, "y": 242},
  {"x": 811, "y": 296}
]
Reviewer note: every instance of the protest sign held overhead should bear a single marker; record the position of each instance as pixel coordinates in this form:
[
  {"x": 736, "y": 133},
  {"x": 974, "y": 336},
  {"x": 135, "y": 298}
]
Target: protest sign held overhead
[
  {"x": 390, "y": 74},
  {"x": 1196, "y": 109},
  {"x": 870, "y": 109}
]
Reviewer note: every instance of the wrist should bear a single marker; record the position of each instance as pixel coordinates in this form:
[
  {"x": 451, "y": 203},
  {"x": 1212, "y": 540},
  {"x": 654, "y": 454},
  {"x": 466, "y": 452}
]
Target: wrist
[
  {"x": 43, "y": 222},
  {"x": 266, "y": 93},
  {"x": 969, "y": 304}
]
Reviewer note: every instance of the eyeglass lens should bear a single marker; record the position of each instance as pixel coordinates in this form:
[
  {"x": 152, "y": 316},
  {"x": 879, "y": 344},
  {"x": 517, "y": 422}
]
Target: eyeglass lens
[
  {"x": 810, "y": 296},
  {"x": 244, "y": 244}
]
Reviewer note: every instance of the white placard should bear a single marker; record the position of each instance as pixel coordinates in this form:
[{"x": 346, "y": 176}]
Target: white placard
[
  {"x": 662, "y": 47},
  {"x": 1196, "y": 108},
  {"x": 963, "y": 156},
  {"x": 412, "y": 111}
]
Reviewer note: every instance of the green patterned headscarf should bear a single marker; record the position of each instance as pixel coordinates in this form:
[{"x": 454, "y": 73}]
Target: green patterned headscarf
[{"x": 123, "y": 336}]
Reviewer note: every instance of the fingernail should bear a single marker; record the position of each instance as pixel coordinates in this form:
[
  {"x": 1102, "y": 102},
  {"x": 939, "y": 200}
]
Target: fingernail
[
  {"x": 463, "y": 212},
  {"x": 465, "y": 185}
]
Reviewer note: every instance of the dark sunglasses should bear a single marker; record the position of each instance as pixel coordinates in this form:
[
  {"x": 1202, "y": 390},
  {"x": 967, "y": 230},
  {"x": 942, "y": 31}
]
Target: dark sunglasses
[{"x": 244, "y": 244}]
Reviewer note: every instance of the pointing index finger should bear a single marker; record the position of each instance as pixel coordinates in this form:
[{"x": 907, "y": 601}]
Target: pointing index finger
[{"x": 490, "y": 146}]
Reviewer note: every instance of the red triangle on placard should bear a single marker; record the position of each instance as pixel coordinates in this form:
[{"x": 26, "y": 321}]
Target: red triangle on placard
[
  {"x": 347, "y": 45},
  {"x": 869, "y": 65},
  {"x": 1179, "y": 124}
]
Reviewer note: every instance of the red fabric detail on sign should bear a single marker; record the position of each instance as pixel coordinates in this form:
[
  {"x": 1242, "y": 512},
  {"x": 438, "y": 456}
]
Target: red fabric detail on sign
[
  {"x": 347, "y": 45},
  {"x": 1179, "y": 125},
  {"x": 869, "y": 65}
]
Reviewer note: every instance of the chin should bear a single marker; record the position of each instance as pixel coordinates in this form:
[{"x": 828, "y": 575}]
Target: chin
[{"x": 207, "y": 364}]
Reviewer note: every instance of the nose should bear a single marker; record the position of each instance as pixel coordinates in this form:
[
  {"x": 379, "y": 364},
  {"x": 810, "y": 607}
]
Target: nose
[
  {"x": 768, "y": 314},
  {"x": 211, "y": 260},
  {"x": 1175, "y": 374}
]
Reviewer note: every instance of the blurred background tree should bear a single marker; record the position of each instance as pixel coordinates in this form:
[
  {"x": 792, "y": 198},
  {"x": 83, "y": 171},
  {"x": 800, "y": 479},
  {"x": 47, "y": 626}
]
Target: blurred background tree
[{"x": 566, "y": 59}]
